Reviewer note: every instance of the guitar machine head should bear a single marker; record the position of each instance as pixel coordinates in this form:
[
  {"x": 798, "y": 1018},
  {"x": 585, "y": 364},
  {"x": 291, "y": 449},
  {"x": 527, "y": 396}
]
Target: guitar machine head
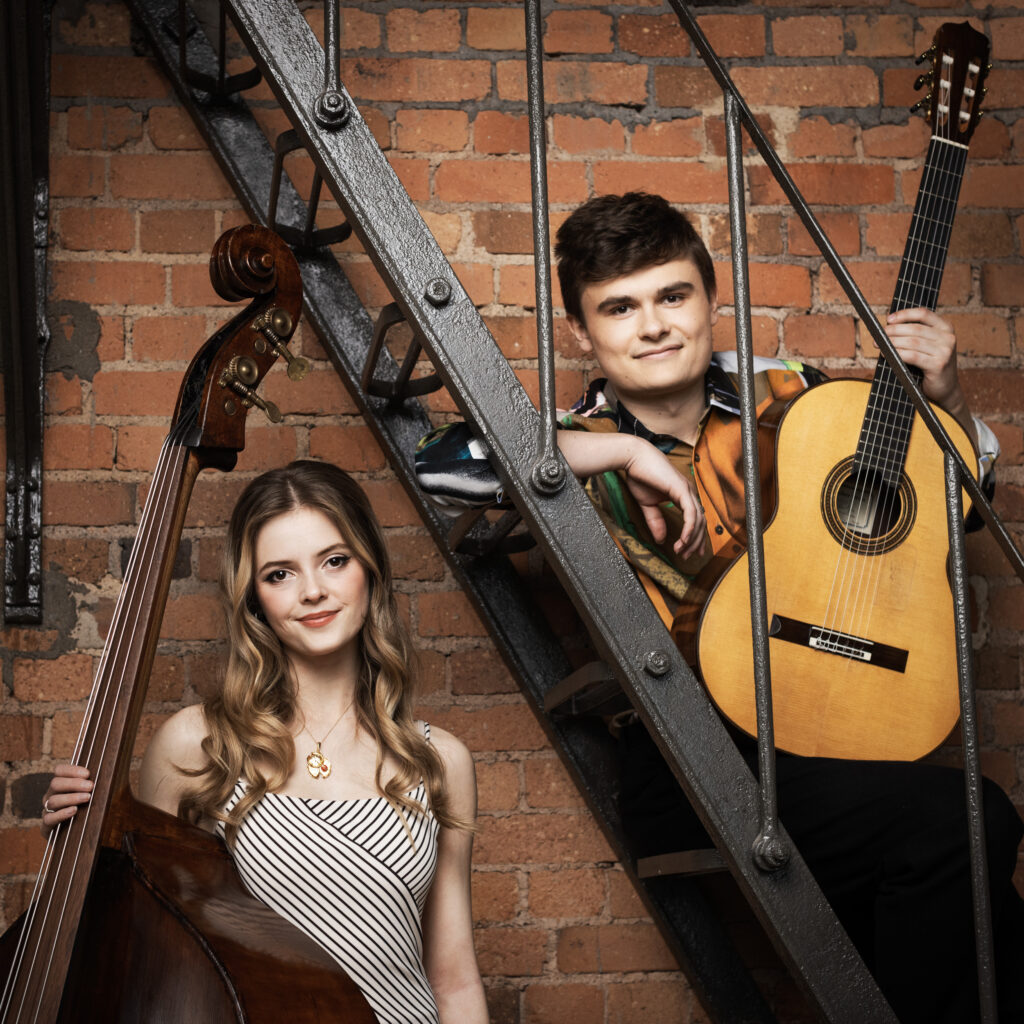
[{"x": 959, "y": 59}]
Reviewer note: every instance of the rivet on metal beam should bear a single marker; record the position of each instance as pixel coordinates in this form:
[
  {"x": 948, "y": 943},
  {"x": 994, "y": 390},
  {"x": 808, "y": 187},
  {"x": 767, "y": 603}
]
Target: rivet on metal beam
[
  {"x": 769, "y": 852},
  {"x": 331, "y": 109},
  {"x": 438, "y": 292},
  {"x": 657, "y": 663},
  {"x": 548, "y": 475}
]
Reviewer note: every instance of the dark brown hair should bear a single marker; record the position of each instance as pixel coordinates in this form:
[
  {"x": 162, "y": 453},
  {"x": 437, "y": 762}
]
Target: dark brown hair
[{"x": 610, "y": 236}]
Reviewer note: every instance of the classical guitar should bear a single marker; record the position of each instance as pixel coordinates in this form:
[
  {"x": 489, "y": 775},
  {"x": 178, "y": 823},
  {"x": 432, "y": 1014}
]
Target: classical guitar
[{"x": 862, "y": 647}]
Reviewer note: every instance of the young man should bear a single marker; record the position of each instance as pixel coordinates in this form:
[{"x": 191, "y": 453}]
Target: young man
[{"x": 886, "y": 841}]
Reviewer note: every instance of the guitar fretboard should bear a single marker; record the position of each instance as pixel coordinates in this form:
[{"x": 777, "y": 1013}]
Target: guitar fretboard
[{"x": 885, "y": 433}]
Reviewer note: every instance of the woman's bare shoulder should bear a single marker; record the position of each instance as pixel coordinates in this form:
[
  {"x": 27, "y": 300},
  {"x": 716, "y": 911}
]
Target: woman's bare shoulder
[
  {"x": 180, "y": 738},
  {"x": 458, "y": 766},
  {"x": 177, "y": 744}
]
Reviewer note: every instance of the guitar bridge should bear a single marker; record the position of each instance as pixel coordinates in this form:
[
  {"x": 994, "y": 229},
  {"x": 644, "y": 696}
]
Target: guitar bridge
[
  {"x": 844, "y": 645},
  {"x": 829, "y": 640}
]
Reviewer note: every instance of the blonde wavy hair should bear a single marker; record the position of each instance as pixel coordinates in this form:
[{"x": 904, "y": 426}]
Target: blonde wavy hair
[{"x": 249, "y": 722}]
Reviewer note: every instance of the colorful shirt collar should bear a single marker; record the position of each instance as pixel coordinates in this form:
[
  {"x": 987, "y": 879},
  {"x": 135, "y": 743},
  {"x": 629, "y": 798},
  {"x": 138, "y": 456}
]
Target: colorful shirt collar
[{"x": 601, "y": 401}]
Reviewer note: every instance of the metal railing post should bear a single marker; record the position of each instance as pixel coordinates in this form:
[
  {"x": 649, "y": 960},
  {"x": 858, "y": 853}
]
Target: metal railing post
[
  {"x": 769, "y": 852},
  {"x": 548, "y": 476},
  {"x": 969, "y": 732}
]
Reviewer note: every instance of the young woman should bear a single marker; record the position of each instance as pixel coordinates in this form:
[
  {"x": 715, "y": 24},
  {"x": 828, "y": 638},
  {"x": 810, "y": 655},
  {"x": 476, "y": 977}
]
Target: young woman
[{"x": 344, "y": 814}]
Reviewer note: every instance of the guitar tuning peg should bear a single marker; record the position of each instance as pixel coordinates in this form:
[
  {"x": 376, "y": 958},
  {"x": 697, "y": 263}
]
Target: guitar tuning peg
[
  {"x": 927, "y": 55},
  {"x": 921, "y": 103},
  {"x": 925, "y": 79}
]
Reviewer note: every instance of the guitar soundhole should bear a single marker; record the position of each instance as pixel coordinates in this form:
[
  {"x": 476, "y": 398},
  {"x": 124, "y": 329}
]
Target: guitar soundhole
[{"x": 863, "y": 512}]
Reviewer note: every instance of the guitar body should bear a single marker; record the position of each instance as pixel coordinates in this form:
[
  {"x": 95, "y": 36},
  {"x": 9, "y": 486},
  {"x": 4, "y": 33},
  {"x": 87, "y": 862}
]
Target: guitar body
[{"x": 863, "y": 656}]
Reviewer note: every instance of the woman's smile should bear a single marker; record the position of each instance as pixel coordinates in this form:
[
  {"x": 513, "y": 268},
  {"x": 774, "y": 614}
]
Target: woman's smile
[{"x": 317, "y": 619}]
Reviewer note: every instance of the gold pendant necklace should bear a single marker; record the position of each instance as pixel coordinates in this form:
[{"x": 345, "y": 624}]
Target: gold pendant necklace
[{"x": 317, "y": 764}]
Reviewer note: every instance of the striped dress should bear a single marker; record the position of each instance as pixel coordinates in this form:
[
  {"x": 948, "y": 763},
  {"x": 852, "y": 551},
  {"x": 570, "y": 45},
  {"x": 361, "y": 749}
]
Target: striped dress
[{"x": 345, "y": 872}]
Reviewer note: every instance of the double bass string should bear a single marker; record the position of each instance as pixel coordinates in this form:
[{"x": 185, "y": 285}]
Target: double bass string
[
  {"x": 88, "y": 719},
  {"x": 147, "y": 533},
  {"x": 155, "y": 506}
]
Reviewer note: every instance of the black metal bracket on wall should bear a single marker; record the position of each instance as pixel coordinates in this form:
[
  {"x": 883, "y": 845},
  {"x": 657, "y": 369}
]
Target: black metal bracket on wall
[
  {"x": 627, "y": 631},
  {"x": 24, "y": 139}
]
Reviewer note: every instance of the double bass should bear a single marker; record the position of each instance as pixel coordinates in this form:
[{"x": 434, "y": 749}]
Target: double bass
[{"x": 138, "y": 916}]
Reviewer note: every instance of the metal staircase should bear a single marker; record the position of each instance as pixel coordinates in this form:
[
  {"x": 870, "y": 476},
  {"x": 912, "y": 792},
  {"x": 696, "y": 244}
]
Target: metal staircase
[{"x": 625, "y": 629}]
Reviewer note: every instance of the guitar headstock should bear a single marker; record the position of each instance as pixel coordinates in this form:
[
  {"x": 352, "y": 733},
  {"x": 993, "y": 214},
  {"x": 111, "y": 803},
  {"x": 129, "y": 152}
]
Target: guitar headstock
[
  {"x": 959, "y": 59},
  {"x": 221, "y": 384}
]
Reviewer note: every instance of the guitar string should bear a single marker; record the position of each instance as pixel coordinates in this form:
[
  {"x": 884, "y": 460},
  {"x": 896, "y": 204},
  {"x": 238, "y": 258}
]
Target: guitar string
[
  {"x": 888, "y": 423},
  {"x": 838, "y": 602},
  {"x": 903, "y": 410},
  {"x": 109, "y": 655},
  {"x": 913, "y": 293},
  {"x": 939, "y": 228},
  {"x": 891, "y": 435}
]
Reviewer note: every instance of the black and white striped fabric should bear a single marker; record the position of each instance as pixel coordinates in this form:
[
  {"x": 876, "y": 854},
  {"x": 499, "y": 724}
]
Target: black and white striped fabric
[{"x": 345, "y": 872}]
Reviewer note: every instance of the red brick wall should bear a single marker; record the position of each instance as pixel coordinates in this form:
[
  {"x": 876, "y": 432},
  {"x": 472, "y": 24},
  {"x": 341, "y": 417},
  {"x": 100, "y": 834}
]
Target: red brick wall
[{"x": 137, "y": 204}]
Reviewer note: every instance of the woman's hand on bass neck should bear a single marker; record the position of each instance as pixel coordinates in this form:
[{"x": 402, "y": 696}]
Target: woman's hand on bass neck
[{"x": 69, "y": 788}]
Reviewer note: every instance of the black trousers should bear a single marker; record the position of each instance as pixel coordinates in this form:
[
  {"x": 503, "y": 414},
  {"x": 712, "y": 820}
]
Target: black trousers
[{"x": 887, "y": 843}]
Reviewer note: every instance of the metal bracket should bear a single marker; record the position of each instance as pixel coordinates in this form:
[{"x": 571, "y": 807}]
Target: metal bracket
[{"x": 24, "y": 98}]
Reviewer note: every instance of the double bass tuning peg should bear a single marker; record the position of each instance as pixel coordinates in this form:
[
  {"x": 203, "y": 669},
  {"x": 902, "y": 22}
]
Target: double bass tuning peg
[
  {"x": 273, "y": 325},
  {"x": 239, "y": 376}
]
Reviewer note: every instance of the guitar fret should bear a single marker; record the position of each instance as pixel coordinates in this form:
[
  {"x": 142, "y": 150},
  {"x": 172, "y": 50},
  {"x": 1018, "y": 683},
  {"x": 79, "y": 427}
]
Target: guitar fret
[
  {"x": 917, "y": 240},
  {"x": 894, "y": 417}
]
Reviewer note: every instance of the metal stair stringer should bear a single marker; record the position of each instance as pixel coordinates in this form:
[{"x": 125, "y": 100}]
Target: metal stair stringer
[
  {"x": 690, "y": 926},
  {"x": 613, "y": 606}
]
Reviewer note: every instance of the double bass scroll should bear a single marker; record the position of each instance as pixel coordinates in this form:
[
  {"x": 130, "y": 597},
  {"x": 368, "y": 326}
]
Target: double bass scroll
[{"x": 136, "y": 915}]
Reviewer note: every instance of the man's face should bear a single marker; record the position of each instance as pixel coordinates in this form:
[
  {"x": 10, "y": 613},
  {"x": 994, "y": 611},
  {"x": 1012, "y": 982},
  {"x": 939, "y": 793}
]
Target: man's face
[{"x": 650, "y": 331}]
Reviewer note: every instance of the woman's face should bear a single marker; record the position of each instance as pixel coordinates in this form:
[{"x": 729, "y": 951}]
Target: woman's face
[{"x": 313, "y": 591}]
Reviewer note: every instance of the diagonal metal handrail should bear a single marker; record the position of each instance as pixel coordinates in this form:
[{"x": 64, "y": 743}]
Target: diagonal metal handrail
[{"x": 867, "y": 316}]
